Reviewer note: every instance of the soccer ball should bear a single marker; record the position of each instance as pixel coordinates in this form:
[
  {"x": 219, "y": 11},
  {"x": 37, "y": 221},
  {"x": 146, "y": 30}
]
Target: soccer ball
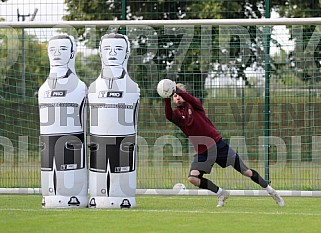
[
  {"x": 166, "y": 88},
  {"x": 179, "y": 186}
]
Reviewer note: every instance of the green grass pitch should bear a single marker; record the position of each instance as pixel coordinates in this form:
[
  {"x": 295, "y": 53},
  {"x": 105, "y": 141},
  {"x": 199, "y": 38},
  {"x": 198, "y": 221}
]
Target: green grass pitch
[{"x": 170, "y": 214}]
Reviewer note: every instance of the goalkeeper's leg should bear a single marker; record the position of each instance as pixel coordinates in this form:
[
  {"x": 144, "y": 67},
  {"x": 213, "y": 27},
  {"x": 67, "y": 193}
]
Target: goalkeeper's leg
[
  {"x": 257, "y": 178},
  {"x": 197, "y": 179}
]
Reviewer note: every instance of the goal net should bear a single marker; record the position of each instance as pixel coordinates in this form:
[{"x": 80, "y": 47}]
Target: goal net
[{"x": 258, "y": 80}]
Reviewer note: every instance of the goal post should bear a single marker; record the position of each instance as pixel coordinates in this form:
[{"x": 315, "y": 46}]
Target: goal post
[
  {"x": 182, "y": 192},
  {"x": 258, "y": 79}
]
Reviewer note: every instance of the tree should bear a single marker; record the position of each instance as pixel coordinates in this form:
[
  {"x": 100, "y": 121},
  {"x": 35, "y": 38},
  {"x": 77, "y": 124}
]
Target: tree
[
  {"x": 307, "y": 70},
  {"x": 168, "y": 50},
  {"x": 36, "y": 64}
]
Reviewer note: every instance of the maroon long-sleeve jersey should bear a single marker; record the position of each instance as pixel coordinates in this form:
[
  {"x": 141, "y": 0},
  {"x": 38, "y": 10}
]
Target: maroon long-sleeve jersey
[{"x": 192, "y": 120}]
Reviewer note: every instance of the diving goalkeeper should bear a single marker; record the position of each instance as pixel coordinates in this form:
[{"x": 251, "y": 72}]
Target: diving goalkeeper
[{"x": 189, "y": 115}]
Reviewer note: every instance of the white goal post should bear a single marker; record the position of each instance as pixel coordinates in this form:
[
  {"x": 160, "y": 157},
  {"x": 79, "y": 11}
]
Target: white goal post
[{"x": 183, "y": 192}]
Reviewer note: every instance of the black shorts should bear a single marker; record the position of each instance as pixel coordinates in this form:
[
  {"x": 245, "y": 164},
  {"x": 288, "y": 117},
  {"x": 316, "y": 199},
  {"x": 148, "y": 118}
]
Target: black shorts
[{"x": 222, "y": 154}]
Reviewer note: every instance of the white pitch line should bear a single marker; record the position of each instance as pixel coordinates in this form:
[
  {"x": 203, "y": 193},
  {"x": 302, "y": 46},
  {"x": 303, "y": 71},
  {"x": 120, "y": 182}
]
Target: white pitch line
[
  {"x": 214, "y": 197},
  {"x": 219, "y": 212},
  {"x": 168, "y": 211}
]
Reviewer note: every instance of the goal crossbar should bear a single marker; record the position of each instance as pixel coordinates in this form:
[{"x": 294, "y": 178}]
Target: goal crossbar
[{"x": 105, "y": 23}]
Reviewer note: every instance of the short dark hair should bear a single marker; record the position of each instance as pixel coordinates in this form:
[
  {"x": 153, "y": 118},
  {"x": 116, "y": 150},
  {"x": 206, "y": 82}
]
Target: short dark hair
[
  {"x": 63, "y": 37},
  {"x": 116, "y": 36}
]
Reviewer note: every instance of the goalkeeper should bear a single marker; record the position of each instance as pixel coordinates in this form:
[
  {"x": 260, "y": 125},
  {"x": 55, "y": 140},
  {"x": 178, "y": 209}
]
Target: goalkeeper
[{"x": 210, "y": 148}]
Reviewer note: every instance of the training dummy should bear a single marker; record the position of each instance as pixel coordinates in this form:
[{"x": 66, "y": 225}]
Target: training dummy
[
  {"x": 113, "y": 100},
  {"x": 62, "y": 108}
]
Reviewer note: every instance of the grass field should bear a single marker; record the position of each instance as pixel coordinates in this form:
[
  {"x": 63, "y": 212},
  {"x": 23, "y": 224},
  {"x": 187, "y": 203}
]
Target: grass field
[{"x": 170, "y": 214}]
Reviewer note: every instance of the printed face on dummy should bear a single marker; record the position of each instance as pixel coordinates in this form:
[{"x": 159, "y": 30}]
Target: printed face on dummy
[
  {"x": 113, "y": 51},
  {"x": 59, "y": 52}
]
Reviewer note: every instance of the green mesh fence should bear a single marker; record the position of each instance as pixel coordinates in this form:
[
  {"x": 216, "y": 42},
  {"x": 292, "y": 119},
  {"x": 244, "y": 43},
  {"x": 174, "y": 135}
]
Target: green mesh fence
[{"x": 265, "y": 102}]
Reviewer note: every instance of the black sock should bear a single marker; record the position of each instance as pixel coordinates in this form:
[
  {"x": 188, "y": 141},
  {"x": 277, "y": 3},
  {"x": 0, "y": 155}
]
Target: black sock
[
  {"x": 207, "y": 184},
  {"x": 258, "y": 179}
]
